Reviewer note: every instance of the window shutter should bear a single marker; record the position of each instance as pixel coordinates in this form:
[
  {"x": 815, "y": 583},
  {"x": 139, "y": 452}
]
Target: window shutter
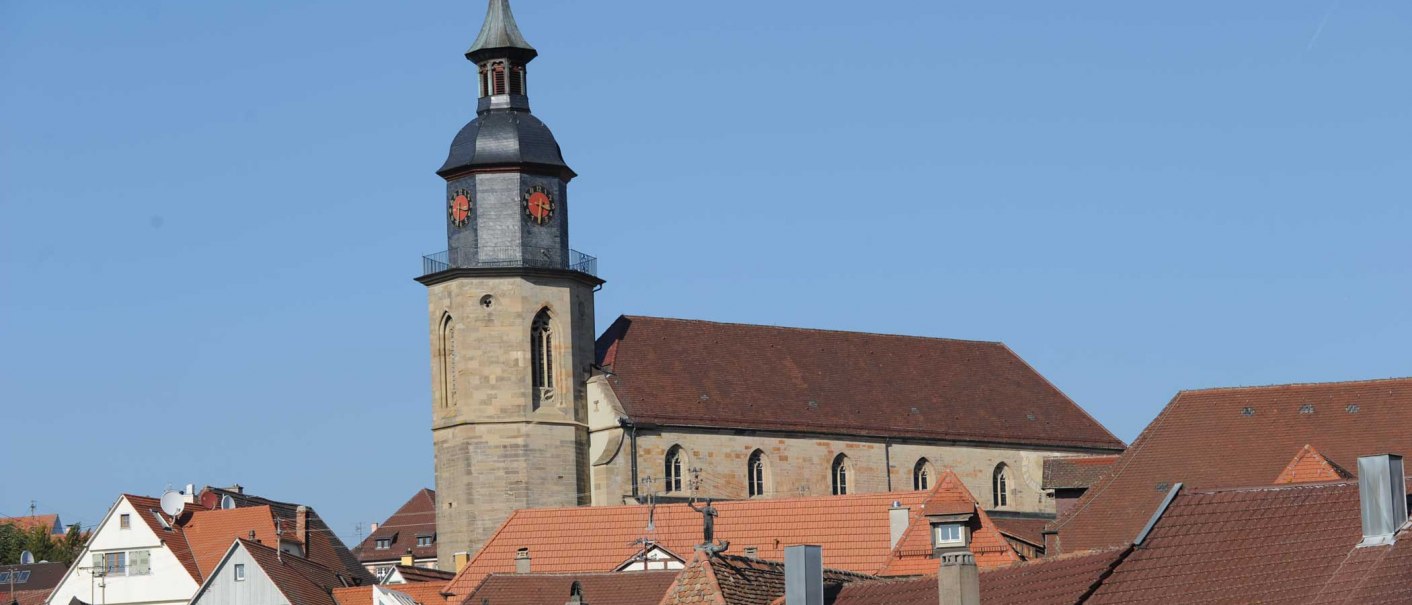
[{"x": 141, "y": 562}]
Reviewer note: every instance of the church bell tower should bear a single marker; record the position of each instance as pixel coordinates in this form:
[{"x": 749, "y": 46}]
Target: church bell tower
[{"x": 511, "y": 311}]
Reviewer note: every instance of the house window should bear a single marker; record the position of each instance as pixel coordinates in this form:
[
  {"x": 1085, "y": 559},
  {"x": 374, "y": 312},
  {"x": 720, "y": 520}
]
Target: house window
[
  {"x": 382, "y": 543},
  {"x": 423, "y": 540},
  {"x": 676, "y": 462},
  {"x": 542, "y": 357},
  {"x": 239, "y": 572},
  {"x": 115, "y": 564},
  {"x": 948, "y": 534},
  {"x": 922, "y": 474},
  {"x": 755, "y": 474},
  {"x": 840, "y": 474},
  {"x": 1000, "y": 486},
  {"x": 124, "y": 521}
]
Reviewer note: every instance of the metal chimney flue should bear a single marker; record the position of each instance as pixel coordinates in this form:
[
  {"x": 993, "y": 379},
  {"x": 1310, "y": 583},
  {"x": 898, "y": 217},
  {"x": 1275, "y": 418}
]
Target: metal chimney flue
[
  {"x": 1382, "y": 498},
  {"x": 957, "y": 580},
  {"x": 803, "y": 575},
  {"x": 522, "y": 561}
]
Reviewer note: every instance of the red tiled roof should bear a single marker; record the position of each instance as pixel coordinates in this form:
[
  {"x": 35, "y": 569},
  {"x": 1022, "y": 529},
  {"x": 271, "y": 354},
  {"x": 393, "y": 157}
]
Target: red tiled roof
[
  {"x": 417, "y": 575},
  {"x": 1066, "y": 472},
  {"x": 697, "y": 373},
  {"x": 1028, "y": 529},
  {"x": 1236, "y": 437},
  {"x": 29, "y": 597},
  {"x": 1309, "y": 466},
  {"x": 733, "y": 580},
  {"x": 913, "y": 554},
  {"x": 1280, "y": 544},
  {"x": 615, "y": 588},
  {"x": 416, "y": 517},
  {"x": 323, "y": 546},
  {"x": 853, "y": 531},
  {"x": 1055, "y": 581},
  {"x": 424, "y": 593},
  {"x": 49, "y": 522},
  {"x": 148, "y": 510},
  {"x": 302, "y": 581},
  {"x": 211, "y": 532},
  {"x": 42, "y": 576}
]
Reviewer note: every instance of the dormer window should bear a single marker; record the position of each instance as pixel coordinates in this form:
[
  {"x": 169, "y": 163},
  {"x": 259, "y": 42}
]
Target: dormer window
[
  {"x": 382, "y": 544},
  {"x": 424, "y": 540},
  {"x": 945, "y": 535}
]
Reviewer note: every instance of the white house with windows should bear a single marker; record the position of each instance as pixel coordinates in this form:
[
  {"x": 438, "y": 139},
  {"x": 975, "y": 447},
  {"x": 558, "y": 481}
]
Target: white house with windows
[{"x": 128, "y": 560}]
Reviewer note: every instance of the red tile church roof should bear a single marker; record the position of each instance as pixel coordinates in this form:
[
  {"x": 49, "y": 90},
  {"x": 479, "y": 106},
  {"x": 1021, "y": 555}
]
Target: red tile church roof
[{"x": 697, "y": 373}]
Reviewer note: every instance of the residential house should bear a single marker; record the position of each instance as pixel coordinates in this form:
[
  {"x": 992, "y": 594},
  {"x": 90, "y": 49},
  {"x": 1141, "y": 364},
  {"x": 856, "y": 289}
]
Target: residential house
[
  {"x": 409, "y": 531},
  {"x": 252, "y": 573},
  {"x": 140, "y": 554},
  {"x": 608, "y": 588},
  {"x": 1234, "y": 437},
  {"x": 30, "y": 584},
  {"x": 50, "y": 523}
]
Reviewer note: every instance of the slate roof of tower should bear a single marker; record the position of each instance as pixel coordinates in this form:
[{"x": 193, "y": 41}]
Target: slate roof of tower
[
  {"x": 1230, "y": 437},
  {"x": 616, "y": 588},
  {"x": 718, "y": 375},
  {"x": 1278, "y": 544},
  {"x": 416, "y": 517},
  {"x": 853, "y": 531},
  {"x": 499, "y": 29}
]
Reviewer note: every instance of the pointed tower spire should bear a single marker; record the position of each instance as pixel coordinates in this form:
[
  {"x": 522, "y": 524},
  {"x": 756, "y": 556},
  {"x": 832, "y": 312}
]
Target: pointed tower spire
[{"x": 500, "y": 36}]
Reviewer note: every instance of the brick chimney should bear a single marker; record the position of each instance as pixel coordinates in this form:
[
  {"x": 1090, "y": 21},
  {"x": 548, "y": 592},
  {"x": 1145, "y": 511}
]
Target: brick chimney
[
  {"x": 301, "y": 526},
  {"x": 522, "y": 561},
  {"x": 958, "y": 582}
]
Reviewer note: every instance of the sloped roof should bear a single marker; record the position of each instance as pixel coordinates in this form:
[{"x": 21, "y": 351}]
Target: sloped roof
[
  {"x": 424, "y": 593},
  {"x": 734, "y": 580},
  {"x": 617, "y": 588},
  {"x": 302, "y": 581},
  {"x": 30, "y": 597},
  {"x": 1028, "y": 529},
  {"x": 416, "y": 517},
  {"x": 1233, "y": 437},
  {"x": 1309, "y": 466},
  {"x": 37, "y": 576},
  {"x": 412, "y": 574},
  {"x": 913, "y": 554},
  {"x": 1053, "y": 581},
  {"x": 210, "y": 533},
  {"x": 1066, "y": 472},
  {"x": 853, "y": 531},
  {"x": 49, "y": 522},
  {"x": 697, "y": 373},
  {"x": 323, "y": 545},
  {"x": 1279, "y": 544},
  {"x": 149, "y": 510}
]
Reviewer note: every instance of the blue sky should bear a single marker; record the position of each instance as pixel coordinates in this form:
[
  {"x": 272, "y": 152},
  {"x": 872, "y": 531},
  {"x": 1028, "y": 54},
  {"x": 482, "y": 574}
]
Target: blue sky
[{"x": 211, "y": 214}]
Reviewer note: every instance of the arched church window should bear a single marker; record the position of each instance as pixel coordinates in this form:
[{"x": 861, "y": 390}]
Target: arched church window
[
  {"x": 756, "y": 474},
  {"x": 842, "y": 469},
  {"x": 923, "y": 475},
  {"x": 1000, "y": 486},
  {"x": 542, "y": 358},
  {"x": 676, "y": 463},
  {"x": 446, "y": 360},
  {"x": 497, "y": 77}
]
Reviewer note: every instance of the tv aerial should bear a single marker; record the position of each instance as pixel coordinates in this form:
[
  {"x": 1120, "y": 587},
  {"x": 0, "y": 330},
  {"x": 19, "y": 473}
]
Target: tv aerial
[{"x": 173, "y": 502}]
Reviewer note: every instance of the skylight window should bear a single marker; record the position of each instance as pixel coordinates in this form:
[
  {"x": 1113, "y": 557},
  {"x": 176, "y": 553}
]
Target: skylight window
[
  {"x": 1247, "y": 411},
  {"x": 1307, "y": 408}
]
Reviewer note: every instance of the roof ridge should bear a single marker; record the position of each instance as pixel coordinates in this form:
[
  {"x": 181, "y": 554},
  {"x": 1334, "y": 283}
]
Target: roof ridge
[
  {"x": 804, "y": 329},
  {"x": 1298, "y": 384},
  {"x": 1057, "y": 558},
  {"x": 1272, "y": 487}
]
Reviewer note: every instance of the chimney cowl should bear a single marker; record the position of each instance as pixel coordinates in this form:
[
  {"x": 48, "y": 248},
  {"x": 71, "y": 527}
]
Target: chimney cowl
[
  {"x": 522, "y": 560},
  {"x": 1382, "y": 498}
]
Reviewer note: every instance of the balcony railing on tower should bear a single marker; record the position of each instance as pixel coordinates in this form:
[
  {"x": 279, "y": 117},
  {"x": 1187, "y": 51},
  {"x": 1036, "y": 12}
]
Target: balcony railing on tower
[{"x": 538, "y": 258}]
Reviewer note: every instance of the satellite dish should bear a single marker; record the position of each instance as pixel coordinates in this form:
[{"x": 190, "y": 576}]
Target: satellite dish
[
  {"x": 227, "y": 502},
  {"x": 26, "y": 558},
  {"x": 173, "y": 503}
]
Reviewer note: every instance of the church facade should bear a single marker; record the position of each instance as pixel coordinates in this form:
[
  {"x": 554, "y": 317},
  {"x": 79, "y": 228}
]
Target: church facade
[{"x": 532, "y": 408}]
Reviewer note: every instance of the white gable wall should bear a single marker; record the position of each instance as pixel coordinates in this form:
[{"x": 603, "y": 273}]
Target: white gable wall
[
  {"x": 224, "y": 589},
  {"x": 168, "y": 581}
]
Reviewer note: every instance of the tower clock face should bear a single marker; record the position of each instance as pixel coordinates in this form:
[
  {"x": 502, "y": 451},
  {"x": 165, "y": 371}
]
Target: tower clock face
[
  {"x": 539, "y": 205},
  {"x": 460, "y": 207}
]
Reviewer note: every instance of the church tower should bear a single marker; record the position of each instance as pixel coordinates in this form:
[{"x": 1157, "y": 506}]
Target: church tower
[{"x": 511, "y": 311}]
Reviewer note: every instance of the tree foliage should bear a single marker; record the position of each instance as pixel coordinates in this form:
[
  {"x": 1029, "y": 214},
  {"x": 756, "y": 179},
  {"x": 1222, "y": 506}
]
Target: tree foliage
[{"x": 45, "y": 546}]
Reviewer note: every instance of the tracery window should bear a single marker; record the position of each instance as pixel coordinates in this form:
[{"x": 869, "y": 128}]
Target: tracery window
[
  {"x": 923, "y": 475},
  {"x": 756, "y": 470},
  {"x": 676, "y": 463},
  {"x": 1000, "y": 486},
  {"x": 542, "y": 358},
  {"x": 840, "y": 474}
]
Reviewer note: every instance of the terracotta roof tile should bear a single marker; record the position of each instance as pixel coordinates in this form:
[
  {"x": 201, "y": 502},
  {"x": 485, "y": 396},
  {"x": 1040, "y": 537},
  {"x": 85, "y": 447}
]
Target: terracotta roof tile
[
  {"x": 733, "y": 580},
  {"x": 1236, "y": 437},
  {"x": 1279, "y": 544},
  {"x": 615, "y": 588},
  {"x": 1029, "y": 529},
  {"x": 417, "y": 575},
  {"x": 913, "y": 554},
  {"x": 211, "y": 532},
  {"x": 1055, "y": 581},
  {"x": 1309, "y": 466},
  {"x": 416, "y": 517},
  {"x": 853, "y": 531},
  {"x": 29, "y": 597},
  {"x": 150, "y": 510},
  {"x": 1067, "y": 472},
  {"x": 302, "y": 581},
  {"x": 48, "y": 522},
  {"x": 323, "y": 545},
  {"x": 696, "y": 373},
  {"x": 424, "y": 593}
]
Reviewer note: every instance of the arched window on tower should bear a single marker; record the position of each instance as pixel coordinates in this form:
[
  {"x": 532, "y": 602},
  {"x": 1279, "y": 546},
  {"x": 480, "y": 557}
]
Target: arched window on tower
[
  {"x": 446, "y": 358},
  {"x": 841, "y": 473},
  {"x": 484, "y": 81},
  {"x": 676, "y": 464},
  {"x": 756, "y": 474},
  {"x": 923, "y": 475},
  {"x": 1000, "y": 486},
  {"x": 542, "y": 358},
  {"x": 497, "y": 77},
  {"x": 517, "y": 80}
]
